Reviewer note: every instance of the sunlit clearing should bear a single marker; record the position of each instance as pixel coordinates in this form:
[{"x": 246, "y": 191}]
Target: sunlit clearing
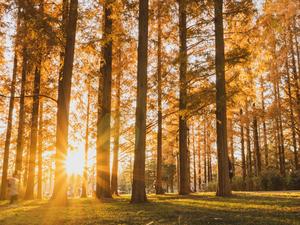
[{"x": 75, "y": 162}]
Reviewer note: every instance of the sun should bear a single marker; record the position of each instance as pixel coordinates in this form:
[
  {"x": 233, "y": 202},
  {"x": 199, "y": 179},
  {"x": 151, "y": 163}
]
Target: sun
[{"x": 75, "y": 162}]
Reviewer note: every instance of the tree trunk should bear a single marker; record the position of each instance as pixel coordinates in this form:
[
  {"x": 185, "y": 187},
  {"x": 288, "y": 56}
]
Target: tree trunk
[
  {"x": 63, "y": 106},
  {"x": 249, "y": 157},
  {"x": 223, "y": 167},
  {"x": 40, "y": 154},
  {"x": 115, "y": 167},
  {"x": 138, "y": 185},
  {"x": 266, "y": 150},
  {"x": 232, "y": 159},
  {"x": 29, "y": 194},
  {"x": 104, "y": 112},
  {"x": 86, "y": 147},
  {"x": 292, "y": 118},
  {"x": 256, "y": 143},
  {"x": 205, "y": 153},
  {"x": 244, "y": 174},
  {"x": 158, "y": 185},
  {"x": 9, "y": 127},
  {"x": 194, "y": 162},
  {"x": 20, "y": 138},
  {"x": 199, "y": 161},
  {"x": 183, "y": 148}
]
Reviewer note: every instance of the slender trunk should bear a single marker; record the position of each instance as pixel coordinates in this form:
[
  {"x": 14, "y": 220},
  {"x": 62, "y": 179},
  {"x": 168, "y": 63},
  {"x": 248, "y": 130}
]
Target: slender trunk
[
  {"x": 138, "y": 185},
  {"x": 63, "y": 106},
  {"x": 205, "y": 154},
  {"x": 20, "y": 138},
  {"x": 158, "y": 185},
  {"x": 256, "y": 143},
  {"x": 86, "y": 147},
  {"x": 266, "y": 150},
  {"x": 183, "y": 145},
  {"x": 232, "y": 159},
  {"x": 249, "y": 157},
  {"x": 244, "y": 174},
  {"x": 9, "y": 128},
  {"x": 199, "y": 161},
  {"x": 115, "y": 167},
  {"x": 26, "y": 164},
  {"x": 224, "y": 188},
  {"x": 292, "y": 118},
  {"x": 40, "y": 154},
  {"x": 29, "y": 194},
  {"x": 194, "y": 162}
]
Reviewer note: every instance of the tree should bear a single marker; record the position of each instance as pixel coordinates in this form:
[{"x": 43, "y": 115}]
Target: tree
[
  {"x": 104, "y": 111},
  {"x": 115, "y": 167},
  {"x": 9, "y": 119},
  {"x": 138, "y": 184},
  {"x": 63, "y": 105},
  {"x": 223, "y": 167},
  {"x": 158, "y": 185},
  {"x": 184, "y": 187}
]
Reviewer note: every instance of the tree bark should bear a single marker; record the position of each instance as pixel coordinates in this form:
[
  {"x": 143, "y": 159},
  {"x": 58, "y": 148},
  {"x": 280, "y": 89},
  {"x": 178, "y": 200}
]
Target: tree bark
[
  {"x": 266, "y": 150},
  {"x": 138, "y": 185},
  {"x": 224, "y": 188},
  {"x": 115, "y": 167},
  {"x": 104, "y": 112},
  {"x": 40, "y": 153},
  {"x": 244, "y": 174},
  {"x": 20, "y": 138},
  {"x": 9, "y": 123},
  {"x": 183, "y": 145},
  {"x": 63, "y": 105},
  {"x": 232, "y": 159},
  {"x": 29, "y": 194},
  {"x": 158, "y": 185},
  {"x": 256, "y": 144},
  {"x": 292, "y": 118},
  {"x": 86, "y": 147}
]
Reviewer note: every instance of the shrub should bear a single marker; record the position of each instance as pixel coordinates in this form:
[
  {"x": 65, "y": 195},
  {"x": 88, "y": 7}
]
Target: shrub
[
  {"x": 271, "y": 180},
  {"x": 293, "y": 180}
]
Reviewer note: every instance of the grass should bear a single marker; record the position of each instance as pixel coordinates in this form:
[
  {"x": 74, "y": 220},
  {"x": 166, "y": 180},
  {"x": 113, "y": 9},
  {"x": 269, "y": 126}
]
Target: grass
[{"x": 203, "y": 208}]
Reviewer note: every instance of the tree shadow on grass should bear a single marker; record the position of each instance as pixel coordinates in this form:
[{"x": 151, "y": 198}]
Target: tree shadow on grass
[{"x": 169, "y": 209}]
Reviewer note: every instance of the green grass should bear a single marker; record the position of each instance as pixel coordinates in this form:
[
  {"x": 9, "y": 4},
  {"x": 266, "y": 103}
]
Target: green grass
[{"x": 204, "y": 208}]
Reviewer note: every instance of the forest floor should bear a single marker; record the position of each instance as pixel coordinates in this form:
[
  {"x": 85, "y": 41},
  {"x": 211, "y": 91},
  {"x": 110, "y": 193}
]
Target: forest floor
[{"x": 202, "y": 208}]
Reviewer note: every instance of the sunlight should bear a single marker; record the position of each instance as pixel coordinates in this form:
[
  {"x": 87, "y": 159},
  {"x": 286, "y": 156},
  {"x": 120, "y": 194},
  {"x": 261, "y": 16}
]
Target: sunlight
[{"x": 75, "y": 162}]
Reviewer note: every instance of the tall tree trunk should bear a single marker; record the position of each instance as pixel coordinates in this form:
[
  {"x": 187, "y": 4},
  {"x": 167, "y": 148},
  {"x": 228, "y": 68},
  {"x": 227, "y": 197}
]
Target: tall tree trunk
[
  {"x": 244, "y": 174},
  {"x": 292, "y": 118},
  {"x": 158, "y": 185},
  {"x": 205, "y": 153},
  {"x": 63, "y": 106},
  {"x": 224, "y": 188},
  {"x": 256, "y": 143},
  {"x": 183, "y": 145},
  {"x": 138, "y": 185},
  {"x": 40, "y": 153},
  {"x": 266, "y": 150},
  {"x": 9, "y": 125},
  {"x": 86, "y": 147},
  {"x": 104, "y": 112},
  {"x": 232, "y": 159},
  {"x": 20, "y": 137},
  {"x": 115, "y": 167},
  {"x": 194, "y": 162},
  {"x": 199, "y": 161},
  {"x": 29, "y": 194},
  {"x": 249, "y": 155}
]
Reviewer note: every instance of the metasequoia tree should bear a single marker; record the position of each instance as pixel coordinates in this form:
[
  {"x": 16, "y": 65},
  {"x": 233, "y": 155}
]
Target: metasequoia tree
[
  {"x": 63, "y": 107},
  {"x": 184, "y": 187},
  {"x": 223, "y": 169},
  {"x": 138, "y": 184},
  {"x": 104, "y": 108}
]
